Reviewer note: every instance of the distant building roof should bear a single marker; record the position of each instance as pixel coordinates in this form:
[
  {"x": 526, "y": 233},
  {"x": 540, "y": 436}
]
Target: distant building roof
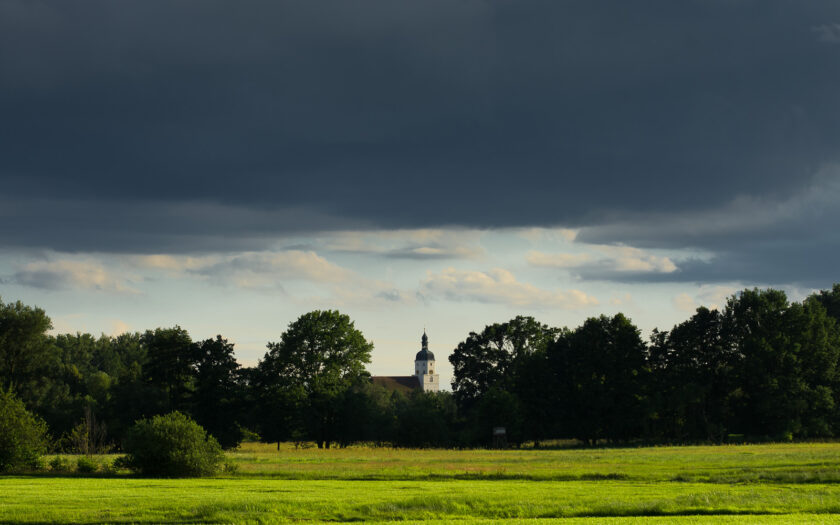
[{"x": 397, "y": 383}]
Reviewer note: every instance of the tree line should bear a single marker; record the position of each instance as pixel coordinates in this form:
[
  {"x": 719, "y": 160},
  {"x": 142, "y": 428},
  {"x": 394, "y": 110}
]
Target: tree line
[{"x": 760, "y": 368}]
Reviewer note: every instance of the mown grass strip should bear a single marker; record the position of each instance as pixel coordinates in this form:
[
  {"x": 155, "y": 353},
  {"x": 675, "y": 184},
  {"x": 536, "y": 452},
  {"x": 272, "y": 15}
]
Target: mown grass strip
[
  {"x": 234, "y": 500},
  {"x": 785, "y": 463}
]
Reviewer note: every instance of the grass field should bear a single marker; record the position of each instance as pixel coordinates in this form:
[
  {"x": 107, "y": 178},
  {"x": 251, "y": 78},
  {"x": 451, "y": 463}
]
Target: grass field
[{"x": 797, "y": 483}]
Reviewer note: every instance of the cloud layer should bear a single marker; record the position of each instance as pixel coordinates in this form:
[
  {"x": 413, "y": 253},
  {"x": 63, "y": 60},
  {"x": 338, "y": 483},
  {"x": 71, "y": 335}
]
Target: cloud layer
[
  {"x": 71, "y": 274},
  {"x": 605, "y": 262},
  {"x": 500, "y": 286},
  {"x": 203, "y": 126}
]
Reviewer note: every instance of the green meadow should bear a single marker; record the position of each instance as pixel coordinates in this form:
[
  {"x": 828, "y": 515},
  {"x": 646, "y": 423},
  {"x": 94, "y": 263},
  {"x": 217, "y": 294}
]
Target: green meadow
[{"x": 790, "y": 483}]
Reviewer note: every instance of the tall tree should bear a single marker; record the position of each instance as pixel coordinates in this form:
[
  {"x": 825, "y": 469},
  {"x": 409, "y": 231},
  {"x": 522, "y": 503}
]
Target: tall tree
[
  {"x": 489, "y": 359},
  {"x": 73, "y": 381},
  {"x": 694, "y": 366},
  {"x": 786, "y": 375},
  {"x": 320, "y": 356},
  {"x": 216, "y": 403},
  {"x": 815, "y": 336},
  {"x": 30, "y": 363},
  {"x": 425, "y": 419},
  {"x": 25, "y": 349},
  {"x": 830, "y": 299},
  {"x": 132, "y": 397},
  {"x": 754, "y": 323},
  {"x": 170, "y": 364},
  {"x": 504, "y": 366},
  {"x": 603, "y": 375}
]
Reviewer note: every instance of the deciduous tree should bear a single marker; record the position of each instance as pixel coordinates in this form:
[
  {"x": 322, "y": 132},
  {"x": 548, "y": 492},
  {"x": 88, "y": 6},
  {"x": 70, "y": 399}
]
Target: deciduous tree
[{"x": 320, "y": 356}]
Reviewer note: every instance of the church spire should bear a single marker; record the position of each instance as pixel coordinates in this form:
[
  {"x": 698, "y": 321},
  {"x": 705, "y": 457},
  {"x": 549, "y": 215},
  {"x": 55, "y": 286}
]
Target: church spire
[{"x": 424, "y": 354}]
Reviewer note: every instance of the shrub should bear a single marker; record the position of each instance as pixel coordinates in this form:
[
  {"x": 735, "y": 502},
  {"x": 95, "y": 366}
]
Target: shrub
[
  {"x": 59, "y": 464},
  {"x": 109, "y": 467},
  {"x": 230, "y": 467},
  {"x": 39, "y": 464},
  {"x": 172, "y": 446},
  {"x": 23, "y": 436},
  {"x": 86, "y": 465}
]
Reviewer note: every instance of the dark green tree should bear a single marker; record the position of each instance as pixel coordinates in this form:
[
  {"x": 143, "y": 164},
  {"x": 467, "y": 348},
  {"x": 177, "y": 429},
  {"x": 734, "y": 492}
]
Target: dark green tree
[
  {"x": 217, "y": 398},
  {"x": 29, "y": 361},
  {"x": 73, "y": 382},
  {"x": 497, "y": 408},
  {"x": 318, "y": 358},
  {"x": 694, "y": 366},
  {"x": 490, "y": 359},
  {"x": 425, "y": 420},
  {"x": 815, "y": 337},
  {"x": 23, "y": 436},
  {"x": 366, "y": 413},
  {"x": 602, "y": 373},
  {"x": 170, "y": 364},
  {"x": 131, "y": 397},
  {"x": 537, "y": 393},
  {"x": 785, "y": 378},
  {"x": 830, "y": 299}
]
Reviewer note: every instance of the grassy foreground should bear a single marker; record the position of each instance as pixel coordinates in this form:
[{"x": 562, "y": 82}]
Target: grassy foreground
[{"x": 734, "y": 484}]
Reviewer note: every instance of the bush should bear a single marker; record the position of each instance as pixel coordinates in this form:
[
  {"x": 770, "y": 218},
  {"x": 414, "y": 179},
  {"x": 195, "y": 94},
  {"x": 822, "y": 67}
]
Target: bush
[
  {"x": 86, "y": 465},
  {"x": 59, "y": 464},
  {"x": 172, "y": 446},
  {"x": 23, "y": 436},
  {"x": 109, "y": 467},
  {"x": 230, "y": 467},
  {"x": 120, "y": 463}
]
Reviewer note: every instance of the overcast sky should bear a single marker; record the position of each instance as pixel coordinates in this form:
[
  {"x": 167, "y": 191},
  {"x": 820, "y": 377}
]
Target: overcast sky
[{"x": 228, "y": 166}]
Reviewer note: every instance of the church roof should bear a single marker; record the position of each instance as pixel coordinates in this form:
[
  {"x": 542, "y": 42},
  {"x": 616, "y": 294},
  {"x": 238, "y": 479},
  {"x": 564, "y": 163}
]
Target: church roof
[
  {"x": 397, "y": 383},
  {"x": 424, "y": 354}
]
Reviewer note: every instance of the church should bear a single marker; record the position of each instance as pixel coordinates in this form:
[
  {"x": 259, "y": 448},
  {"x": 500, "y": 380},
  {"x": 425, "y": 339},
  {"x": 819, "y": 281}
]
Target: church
[{"x": 424, "y": 379}]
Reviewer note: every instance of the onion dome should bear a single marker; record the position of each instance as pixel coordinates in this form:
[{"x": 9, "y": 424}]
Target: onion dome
[{"x": 424, "y": 354}]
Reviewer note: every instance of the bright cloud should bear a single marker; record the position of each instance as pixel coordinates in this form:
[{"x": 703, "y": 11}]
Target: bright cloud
[
  {"x": 500, "y": 286},
  {"x": 684, "y": 303},
  {"x": 251, "y": 269},
  {"x": 622, "y": 300},
  {"x": 266, "y": 269},
  {"x": 605, "y": 259},
  {"x": 629, "y": 259},
  {"x": 410, "y": 244},
  {"x": 119, "y": 327},
  {"x": 715, "y": 296},
  {"x": 65, "y": 273},
  {"x": 173, "y": 263},
  {"x": 275, "y": 270},
  {"x": 558, "y": 260}
]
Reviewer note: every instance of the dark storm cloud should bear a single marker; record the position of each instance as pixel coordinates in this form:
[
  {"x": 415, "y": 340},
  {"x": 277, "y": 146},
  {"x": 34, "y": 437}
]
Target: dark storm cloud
[
  {"x": 807, "y": 264},
  {"x": 788, "y": 240},
  {"x": 121, "y": 120}
]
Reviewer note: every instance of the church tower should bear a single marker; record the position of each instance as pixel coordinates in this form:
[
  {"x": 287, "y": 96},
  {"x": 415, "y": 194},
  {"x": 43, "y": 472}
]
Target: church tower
[{"x": 424, "y": 367}]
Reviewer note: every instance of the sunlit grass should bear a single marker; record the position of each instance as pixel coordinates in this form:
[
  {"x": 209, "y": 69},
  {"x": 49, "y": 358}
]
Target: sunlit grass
[
  {"x": 785, "y": 463},
  {"x": 84, "y": 500},
  {"x": 790, "y": 483}
]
